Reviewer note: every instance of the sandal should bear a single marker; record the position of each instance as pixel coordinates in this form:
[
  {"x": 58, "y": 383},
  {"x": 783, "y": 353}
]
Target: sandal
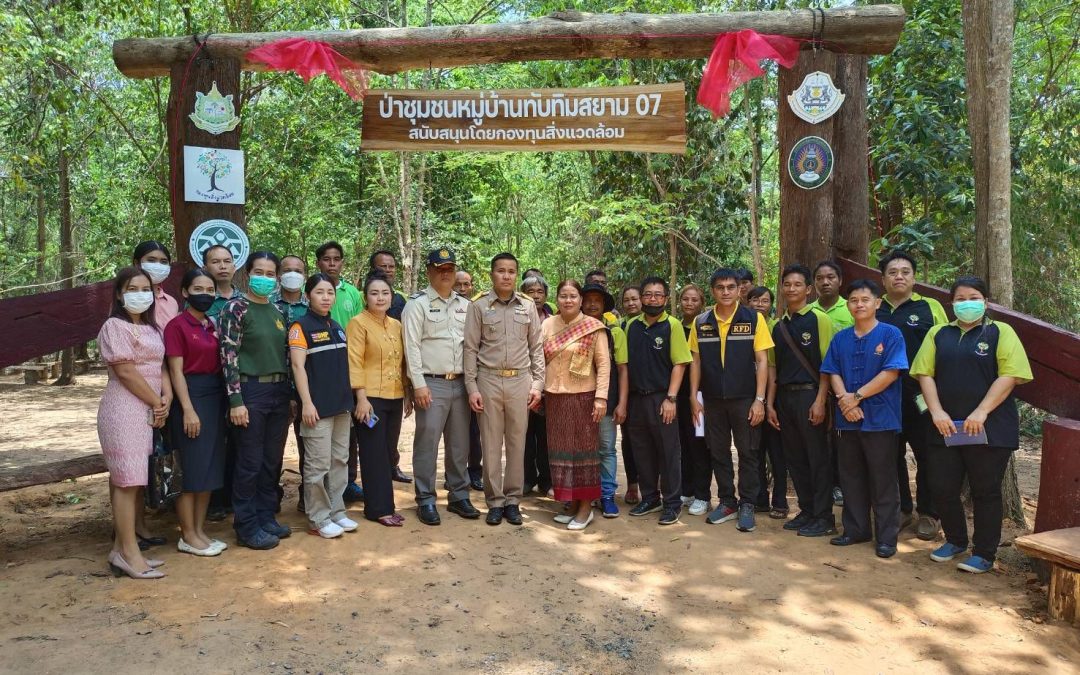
[
  {"x": 391, "y": 521},
  {"x": 778, "y": 514}
]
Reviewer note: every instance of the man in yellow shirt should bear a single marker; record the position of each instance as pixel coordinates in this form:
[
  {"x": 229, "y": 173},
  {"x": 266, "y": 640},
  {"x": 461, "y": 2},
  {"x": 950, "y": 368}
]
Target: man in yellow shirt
[{"x": 730, "y": 346}]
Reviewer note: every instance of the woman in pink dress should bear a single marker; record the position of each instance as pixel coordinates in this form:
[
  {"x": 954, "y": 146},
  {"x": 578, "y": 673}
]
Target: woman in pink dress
[{"x": 136, "y": 401}]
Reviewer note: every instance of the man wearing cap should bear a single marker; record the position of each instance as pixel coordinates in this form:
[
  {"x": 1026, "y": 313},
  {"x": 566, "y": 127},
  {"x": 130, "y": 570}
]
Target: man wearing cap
[
  {"x": 504, "y": 373},
  {"x": 434, "y": 322}
]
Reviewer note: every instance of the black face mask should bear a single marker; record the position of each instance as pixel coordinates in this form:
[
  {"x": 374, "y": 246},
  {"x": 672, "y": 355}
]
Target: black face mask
[
  {"x": 200, "y": 302},
  {"x": 650, "y": 310}
]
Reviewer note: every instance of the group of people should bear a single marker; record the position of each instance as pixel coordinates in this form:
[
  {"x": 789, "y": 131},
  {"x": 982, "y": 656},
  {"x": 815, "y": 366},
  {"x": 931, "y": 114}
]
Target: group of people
[{"x": 526, "y": 392}]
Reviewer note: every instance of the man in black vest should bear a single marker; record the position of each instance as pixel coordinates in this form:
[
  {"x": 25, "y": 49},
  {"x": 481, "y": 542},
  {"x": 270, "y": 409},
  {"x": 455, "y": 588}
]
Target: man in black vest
[
  {"x": 657, "y": 357},
  {"x": 798, "y": 392},
  {"x": 730, "y": 346}
]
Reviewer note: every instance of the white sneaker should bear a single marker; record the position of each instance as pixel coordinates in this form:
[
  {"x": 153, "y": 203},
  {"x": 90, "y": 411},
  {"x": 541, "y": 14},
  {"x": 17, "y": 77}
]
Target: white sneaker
[
  {"x": 698, "y": 507},
  {"x": 575, "y": 525},
  {"x": 346, "y": 524},
  {"x": 330, "y": 530},
  {"x": 687, "y": 500},
  {"x": 563, "y": 518}
]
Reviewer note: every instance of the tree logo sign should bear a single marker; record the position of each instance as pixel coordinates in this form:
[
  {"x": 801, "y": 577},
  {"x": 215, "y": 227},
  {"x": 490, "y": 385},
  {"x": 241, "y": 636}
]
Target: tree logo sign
[
  {"x": 218, "y": 232},
  {"x": 213, "y": 112},
  {"x": 213, "y": 175}
]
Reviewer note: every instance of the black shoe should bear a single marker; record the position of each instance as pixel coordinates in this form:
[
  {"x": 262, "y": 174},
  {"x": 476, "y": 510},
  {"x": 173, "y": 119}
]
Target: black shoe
[
  {"x": 463, "y": 508},
  {"x": 216, "y": 514},
  {"x": 798, "y": 522},
  {"x": 149, "y": 542},
  {"x": 818, "y": 528},
  {"x": 512, "y": 514},
  {"x": 353, "y": 493},
  {"x": 884, "y": 551},
  {"x": 645, "y": 508},
  {"x": 844, "y": 540},
  {"x": 398, "y": 475},
  {"x": 428, "y": 514},
  {"x": 477, "y": 484},
  {"x": 668, "y": 517},
  {"x": 494, "y": 516},
  {"x": 260, "y": 541},
  {"x": 277, "y": 529}
]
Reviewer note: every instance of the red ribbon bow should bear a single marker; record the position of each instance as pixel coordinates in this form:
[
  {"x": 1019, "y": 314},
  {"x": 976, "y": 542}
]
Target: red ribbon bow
[
  {"x": 308, "y": 58},
  {"x": 735, "y": 59}
]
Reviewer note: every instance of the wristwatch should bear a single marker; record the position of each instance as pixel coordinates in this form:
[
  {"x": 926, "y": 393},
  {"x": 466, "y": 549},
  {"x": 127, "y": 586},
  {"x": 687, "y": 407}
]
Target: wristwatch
[
  {"x": 759, "y": 398},
  {"x": 858, "y": 396},
  {"x": 670, "y": 399}
]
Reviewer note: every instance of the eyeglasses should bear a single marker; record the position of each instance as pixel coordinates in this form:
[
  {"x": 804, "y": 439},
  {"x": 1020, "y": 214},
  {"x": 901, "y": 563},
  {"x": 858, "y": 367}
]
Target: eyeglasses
[{"x": 653, "y": 296}]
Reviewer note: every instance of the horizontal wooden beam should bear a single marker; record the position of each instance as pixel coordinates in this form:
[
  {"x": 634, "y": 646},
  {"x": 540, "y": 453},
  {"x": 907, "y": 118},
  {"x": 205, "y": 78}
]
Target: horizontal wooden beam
[
  {"x": 1054, "y": 353},
  {"x": 568, "y": 35},
  {"x": 51, "y": 472}
]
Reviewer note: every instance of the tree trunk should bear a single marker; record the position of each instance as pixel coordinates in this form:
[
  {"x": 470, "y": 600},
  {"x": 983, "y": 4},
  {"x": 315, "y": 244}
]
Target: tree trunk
[
  {"x": 41, "y": 239},
  {"x": 988, "y": 36},
  {"x": 561, "y": 36},
  {"x": 67, "y": 259},
  {"x": 673, "y": 259}
]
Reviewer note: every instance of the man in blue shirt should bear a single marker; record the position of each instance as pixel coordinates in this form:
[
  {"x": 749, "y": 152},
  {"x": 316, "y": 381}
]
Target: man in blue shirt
[{"x": 864, "y": 363}]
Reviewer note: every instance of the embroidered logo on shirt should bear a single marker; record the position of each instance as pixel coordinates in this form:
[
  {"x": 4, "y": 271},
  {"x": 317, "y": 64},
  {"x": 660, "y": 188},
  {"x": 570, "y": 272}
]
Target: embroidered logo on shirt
[
  {"x": 806, "y": 338},
  {"x": 740, "y": 329},
  {"x": 341, "y": 334},
  {"x": 658, "y": 343},
  {"x": 321, "y": 336},
  {"x": 913, "y": 320},
  {"x": 294, "y": 334},
  {"x": 880, "y": 349},
  {"x": 280, "y": 326},
  {"x": 982, "y": 349}
]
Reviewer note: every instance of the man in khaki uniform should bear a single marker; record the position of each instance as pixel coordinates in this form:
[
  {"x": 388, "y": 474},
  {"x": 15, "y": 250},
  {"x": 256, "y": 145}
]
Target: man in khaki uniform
[
  {"x": 433, "y": 321},
  {"x": 504, "y": 374}
]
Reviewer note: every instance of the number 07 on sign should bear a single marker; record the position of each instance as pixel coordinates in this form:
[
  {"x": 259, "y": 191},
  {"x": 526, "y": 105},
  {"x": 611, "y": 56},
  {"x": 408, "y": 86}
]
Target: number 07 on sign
[{"x": 643, "y": 119}]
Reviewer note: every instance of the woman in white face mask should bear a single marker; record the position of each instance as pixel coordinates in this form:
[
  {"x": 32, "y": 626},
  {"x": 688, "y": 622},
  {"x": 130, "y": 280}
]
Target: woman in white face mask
[
  {"x": 154, "y": 259},
  {"x": 136, "y": 401}
]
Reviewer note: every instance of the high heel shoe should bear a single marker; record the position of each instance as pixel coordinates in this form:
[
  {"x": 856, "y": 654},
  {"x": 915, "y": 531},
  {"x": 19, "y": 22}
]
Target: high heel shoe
[{"x": 120, "y": 567}]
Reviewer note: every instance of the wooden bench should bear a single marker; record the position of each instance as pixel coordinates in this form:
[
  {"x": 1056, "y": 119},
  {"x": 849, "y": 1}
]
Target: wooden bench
[
  {"x": 34, "y": 373},
  {"x": 1060, "y": 548}
]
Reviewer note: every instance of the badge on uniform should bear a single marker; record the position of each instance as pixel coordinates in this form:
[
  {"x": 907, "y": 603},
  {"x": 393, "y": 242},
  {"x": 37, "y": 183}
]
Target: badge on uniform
[
  {"x": 806, "y": 338},
  {"x": 913, "y": 320},
  {"x": 280, "y": 326},
  {"x": 982, "y": 349},
  {"x": 740, "y": 329},
  {"x": 341, "y": 334},
  {"x": 658, "y": 343},
  {"x": 321, "y": 336},
  {"x": 880, "y": 349}
]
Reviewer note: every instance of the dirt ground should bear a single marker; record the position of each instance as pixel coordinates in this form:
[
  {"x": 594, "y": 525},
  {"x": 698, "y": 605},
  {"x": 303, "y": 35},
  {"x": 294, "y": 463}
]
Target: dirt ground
[{"x": 623, "y": 596}]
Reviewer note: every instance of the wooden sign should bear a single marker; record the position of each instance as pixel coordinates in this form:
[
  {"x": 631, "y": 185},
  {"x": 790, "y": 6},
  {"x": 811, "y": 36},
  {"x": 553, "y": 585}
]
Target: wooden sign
[{"x": 641, "y": 119}]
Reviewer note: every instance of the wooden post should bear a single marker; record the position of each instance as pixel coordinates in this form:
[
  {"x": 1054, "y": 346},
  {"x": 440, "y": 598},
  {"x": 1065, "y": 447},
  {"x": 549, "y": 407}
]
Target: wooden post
[
  {"x": 831, "y": 221},
  {"x": 1059, "y": 474},
  {"x": 203, "y": 72}
]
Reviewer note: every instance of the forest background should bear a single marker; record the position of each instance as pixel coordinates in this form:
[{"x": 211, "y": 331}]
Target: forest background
[{"x": 84, "y": 167}]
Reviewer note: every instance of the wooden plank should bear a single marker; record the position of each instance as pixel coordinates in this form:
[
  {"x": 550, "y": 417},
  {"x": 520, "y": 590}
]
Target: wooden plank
[
  {"x": 48, "y": 322},
  {"x": 1059, "y": 477},
  {"x": 1054, "y": 353},
  {"x": 52, "y": 472},
  {"x": 182, "y": 131},
  {"x": 567, "y": 35},
  {"x": 1063, "y": 602},
  {"x": 1061, "y": 547},
  {"x": 649, "y": 118}
]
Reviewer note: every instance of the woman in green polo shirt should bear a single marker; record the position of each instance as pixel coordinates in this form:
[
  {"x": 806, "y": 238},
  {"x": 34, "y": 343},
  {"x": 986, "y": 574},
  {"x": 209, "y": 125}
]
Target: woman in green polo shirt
[{"x": 967, "y": 370}]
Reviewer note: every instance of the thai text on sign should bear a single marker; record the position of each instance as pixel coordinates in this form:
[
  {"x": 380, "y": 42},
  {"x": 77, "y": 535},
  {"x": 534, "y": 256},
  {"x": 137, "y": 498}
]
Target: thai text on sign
[{"x": 644, "y": 119}]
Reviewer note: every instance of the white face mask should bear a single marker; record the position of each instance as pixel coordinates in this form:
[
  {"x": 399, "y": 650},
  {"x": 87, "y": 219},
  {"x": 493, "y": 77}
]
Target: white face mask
[
  {"x": 292, "y": 281},
  {"x": 158, "y": 272},
  {"x": 138, "y": 302}
]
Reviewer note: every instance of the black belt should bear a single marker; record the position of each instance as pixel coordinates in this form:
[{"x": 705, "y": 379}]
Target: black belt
[
  {"x": 639, "y": 392},
  {"x": 265, "y": 379},
  {"x": 444, "y": 376},
  {"x": 797, "y": 387}
]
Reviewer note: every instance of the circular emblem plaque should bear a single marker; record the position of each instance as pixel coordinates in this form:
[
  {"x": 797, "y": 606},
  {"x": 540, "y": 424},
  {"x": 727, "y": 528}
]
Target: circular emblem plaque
[
  {"x": 810, "y": 163},
  {"x": 218, "y": 232}
]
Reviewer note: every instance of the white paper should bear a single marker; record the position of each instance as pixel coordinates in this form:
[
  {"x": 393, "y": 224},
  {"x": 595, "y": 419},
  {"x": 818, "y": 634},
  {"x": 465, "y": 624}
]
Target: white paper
[
  {"x": 699, "y": 428},
  {"x": 213, "y": 175}
]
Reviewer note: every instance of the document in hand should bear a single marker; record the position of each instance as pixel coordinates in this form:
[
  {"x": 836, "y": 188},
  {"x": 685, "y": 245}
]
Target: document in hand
[{"x": 960, "y": 438}]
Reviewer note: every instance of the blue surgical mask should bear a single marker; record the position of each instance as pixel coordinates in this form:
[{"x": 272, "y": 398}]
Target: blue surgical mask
[
  {"x": 970, "y": 311},
  {"x": 262, "y": 286}
]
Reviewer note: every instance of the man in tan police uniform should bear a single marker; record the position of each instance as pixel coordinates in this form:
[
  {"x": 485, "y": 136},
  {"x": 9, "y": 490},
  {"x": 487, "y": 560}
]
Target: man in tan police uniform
[
  {"x": 433, "y": 321},
  {"x": 504, "y": 374}
]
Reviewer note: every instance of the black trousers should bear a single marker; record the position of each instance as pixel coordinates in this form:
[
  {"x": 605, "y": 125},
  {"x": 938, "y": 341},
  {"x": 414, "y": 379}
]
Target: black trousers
[
  {"x": 354, "y": 455},
  {"x": 806, "y": 449},
  {"x": 629, "y": 465},
  {"x": 696, "y": 464},
  {"x": 377, "y": 448},
  {"x": 868, "y": 479},
  {"x": 984, "y": 467},
  {"x": 260, "y": 447},
  {"x": 657, "y": 452},
  {"x": 726, "y": 420},
  {"x": 476, "y": 451},
  {"x": 771, "y": 448},
  {"x": 537, "y": 467},
  {"x": 914, "y": 434},
  {"x": 222, "y": 497}
]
